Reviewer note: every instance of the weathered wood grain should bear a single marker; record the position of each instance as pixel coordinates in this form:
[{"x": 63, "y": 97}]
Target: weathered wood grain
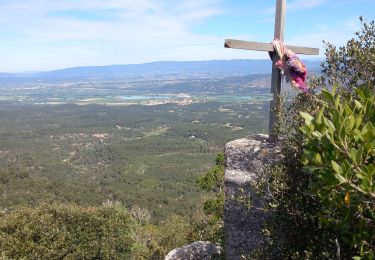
[
  {"x": 261, "y": 46},
  {"x": 276, "y": 75},
  {"x": 280, "y": 19}
]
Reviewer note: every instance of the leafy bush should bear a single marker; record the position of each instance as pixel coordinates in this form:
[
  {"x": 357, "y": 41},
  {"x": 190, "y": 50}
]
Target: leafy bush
[
  {"x": 213, "y": 181},
  {"x": 213, "y": 207},
  {"x": 323, "y": 190},
  {"x": 340, "y": 151},
  {"x": 352, "y": 65},
  {"x": 67, "y": 231},
  {"x": 154, "y": 242}
]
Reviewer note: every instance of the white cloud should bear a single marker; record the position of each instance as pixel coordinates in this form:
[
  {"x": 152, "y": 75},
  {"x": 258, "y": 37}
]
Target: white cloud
[
  {"x": 297, "y": 5},
  {"x": 347, "y": 2},
  {"x": 139, "y": 31},
  {"x": 50, "y": 34},
  {"x": 337, "y": 35},
  {"x": 305, "y": 4}
]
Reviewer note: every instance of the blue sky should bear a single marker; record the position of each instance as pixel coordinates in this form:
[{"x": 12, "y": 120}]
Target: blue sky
[{"x": 51, "y": 34}]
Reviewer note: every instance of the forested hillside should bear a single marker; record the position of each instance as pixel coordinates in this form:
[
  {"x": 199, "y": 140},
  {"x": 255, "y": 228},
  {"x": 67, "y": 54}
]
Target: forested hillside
[{"x": 94, "y": 153}]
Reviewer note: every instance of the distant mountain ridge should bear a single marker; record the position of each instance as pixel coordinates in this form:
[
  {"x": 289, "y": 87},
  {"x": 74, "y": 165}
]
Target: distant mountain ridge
[{"x": 209, "y": 68}]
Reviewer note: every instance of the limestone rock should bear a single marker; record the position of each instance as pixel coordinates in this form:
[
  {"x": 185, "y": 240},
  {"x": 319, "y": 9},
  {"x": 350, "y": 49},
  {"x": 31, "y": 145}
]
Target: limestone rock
[
  {"x": 246, "y": 162},
  {"x": 195, "y": 251}
]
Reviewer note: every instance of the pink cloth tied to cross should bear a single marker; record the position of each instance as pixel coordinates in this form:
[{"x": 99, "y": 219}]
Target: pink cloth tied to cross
[{"x": 291, "y": 66}]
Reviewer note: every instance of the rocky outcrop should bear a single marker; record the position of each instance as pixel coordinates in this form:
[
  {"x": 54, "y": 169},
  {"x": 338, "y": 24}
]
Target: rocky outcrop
[
  {"x": 246, "y": 162},
  {"x": 199, "y": 250}
]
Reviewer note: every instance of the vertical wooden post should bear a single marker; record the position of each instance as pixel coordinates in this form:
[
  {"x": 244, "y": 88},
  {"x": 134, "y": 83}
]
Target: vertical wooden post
[{"x": 276, "y": 75}]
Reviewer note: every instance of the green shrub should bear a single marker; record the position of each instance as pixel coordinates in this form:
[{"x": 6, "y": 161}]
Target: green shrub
[
  {"x": 325, "y": 208},
  {"x": 66, "y": 231},
  {"x": 340, "y": 151},
  {"x": 213, "y": 182},
  {"x": 212, "y": 228},
  {"x": 352, "y": 65},
  {"x": 154, "y": 242}
]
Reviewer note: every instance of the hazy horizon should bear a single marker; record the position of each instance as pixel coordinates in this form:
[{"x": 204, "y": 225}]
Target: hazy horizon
[
  {"x": 43, "y": 35},
  {"x": 159, "y": 61}
]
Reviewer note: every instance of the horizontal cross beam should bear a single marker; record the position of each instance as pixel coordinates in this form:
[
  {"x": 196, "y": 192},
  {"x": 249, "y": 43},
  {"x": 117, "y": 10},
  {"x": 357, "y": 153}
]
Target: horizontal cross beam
[{"x": 260, "y": 46}]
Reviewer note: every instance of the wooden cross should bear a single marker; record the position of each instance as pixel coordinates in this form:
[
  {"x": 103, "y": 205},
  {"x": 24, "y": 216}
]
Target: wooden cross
[{"x": 276, "y": 74}]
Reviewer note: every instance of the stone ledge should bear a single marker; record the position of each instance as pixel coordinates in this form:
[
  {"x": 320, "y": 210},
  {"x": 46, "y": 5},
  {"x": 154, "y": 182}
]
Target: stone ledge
[
  {"x": 199, "y": 250},
  {"x": 245, "y": 163}
]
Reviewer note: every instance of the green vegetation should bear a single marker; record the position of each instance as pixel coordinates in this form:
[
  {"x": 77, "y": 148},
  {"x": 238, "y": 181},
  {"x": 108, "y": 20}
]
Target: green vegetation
[
  {"x": 213, "y": 207},
  {"x": 340, "y": 151},
  {"x": 323, "y": 191},
  {"x": 59, "y": 163},
  {"x": 157, "y": 240},
  {"x": 352, "y": 65},
  {"x": 94, "y": 153},
  {"x": 67, "y": 231},
  {"x": 145, "y": 157}
]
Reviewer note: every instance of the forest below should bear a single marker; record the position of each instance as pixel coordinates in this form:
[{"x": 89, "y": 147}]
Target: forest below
[
  {"x": 82, "y": 159},
  {"x": 144, "y": 156}
]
